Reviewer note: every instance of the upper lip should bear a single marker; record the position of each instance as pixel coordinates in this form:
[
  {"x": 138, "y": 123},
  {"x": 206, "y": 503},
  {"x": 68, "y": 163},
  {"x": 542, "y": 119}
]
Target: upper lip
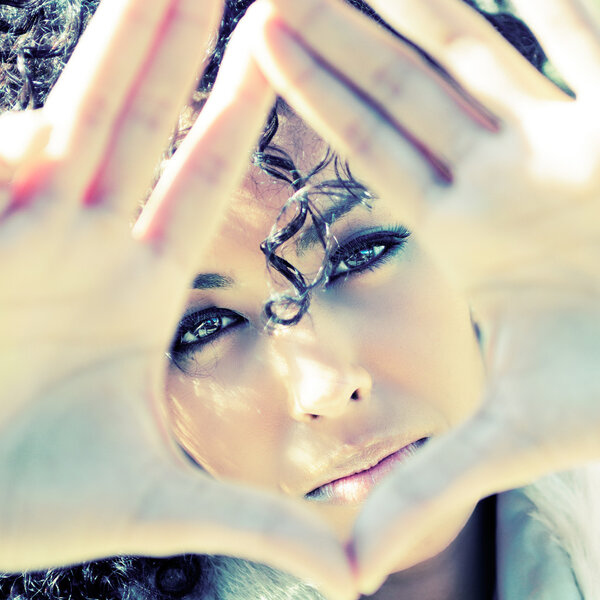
[{"x": 360, "y": 459}]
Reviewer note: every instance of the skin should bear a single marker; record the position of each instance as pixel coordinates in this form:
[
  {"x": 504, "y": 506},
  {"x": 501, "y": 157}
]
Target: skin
[
  {"x": 90, "y": 309},
  {"x": 384, "y": 354},
  {"x": 514, "y": 160},
  {"x": 88, "y": 461}
]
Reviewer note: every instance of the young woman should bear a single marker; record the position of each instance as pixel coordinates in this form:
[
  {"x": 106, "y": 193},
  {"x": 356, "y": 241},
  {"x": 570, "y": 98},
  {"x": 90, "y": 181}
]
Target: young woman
[{"x": 431, "y": 303}]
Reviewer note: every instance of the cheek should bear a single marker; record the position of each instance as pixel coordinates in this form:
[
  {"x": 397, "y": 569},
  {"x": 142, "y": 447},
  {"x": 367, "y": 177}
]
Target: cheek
[
  {"x": 231, "y": 420},
  {"x": 416, "y": 337}
]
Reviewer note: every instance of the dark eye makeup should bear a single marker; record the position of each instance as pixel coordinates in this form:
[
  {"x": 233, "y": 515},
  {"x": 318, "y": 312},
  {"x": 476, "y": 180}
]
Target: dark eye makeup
[
  {"x": 367, "y": 251},
  {"x": 200, "y": 328}
]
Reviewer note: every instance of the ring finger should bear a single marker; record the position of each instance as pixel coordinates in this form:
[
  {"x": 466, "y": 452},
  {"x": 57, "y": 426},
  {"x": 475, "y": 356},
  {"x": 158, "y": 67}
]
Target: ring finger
[{"x": 120, "y": 95}]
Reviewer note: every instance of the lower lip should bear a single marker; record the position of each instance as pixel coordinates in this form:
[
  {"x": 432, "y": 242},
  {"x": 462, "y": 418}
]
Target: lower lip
[{"x": 354, "y": 489}]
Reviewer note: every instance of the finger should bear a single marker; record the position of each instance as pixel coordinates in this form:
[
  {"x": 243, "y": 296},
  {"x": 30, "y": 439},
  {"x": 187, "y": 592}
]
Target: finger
[
  {"x": 392, "y": 74},
  {"x": 93, "y": 87},
  {"x": 186, "y": 512},
  {"x": 570, "y": 37},
  {"x": 214, "y": 518},
  {"x": 470, "y": 49},
  {"x": 90, "y": 475},
  {"x": 23, "y": 136},
  {"x": 192, "y": 194},
  {"x": 355, "y": 128},
  {"x": 163, "y": 87},
  {"x": 99, "y": 81},
  {"x": 448, "y": 476}
]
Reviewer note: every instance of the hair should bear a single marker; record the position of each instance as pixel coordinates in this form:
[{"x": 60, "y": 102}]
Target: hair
[
  {"x": 37, "y": 39},
  {"x": 143, "y": 578}
]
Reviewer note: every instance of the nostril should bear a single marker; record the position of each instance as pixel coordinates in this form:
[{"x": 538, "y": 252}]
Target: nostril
[{"x": 355, "y": 395}]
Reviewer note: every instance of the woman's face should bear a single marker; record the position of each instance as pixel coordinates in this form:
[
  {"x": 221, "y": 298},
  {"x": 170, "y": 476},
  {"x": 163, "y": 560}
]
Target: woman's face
[{"x": 386, "y": 356}]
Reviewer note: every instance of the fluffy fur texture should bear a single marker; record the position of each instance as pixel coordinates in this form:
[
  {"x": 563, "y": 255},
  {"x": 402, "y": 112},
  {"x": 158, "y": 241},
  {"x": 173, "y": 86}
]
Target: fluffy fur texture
[{"x": 568, "y": 506}]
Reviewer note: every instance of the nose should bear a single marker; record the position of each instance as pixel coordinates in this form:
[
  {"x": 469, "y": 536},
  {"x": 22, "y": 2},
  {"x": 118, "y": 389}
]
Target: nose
[{"x": 319, "y": 374}]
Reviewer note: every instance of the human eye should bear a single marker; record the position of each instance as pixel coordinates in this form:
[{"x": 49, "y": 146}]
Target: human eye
[
  {"x": 367, "y": 251},
  {"x": 203, "y": 327}
]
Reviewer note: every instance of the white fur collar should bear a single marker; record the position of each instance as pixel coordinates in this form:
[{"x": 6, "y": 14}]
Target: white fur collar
[{"x": 549, "y": 538}]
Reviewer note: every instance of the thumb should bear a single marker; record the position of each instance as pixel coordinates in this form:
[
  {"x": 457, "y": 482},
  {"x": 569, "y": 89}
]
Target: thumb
[
  {"x": 448, "y": 476},
  {"x": 191, "y": 514}
]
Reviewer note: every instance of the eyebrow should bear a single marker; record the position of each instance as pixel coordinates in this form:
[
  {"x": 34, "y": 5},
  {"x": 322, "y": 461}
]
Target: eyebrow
[
  {"x": 342, "y": 202},
  {"x": 206, "y": 281}
]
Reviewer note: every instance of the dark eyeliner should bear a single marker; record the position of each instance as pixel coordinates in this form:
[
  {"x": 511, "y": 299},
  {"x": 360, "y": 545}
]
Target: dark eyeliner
[
  {"x": 392, "y": 239},
  {"x": 192, "y": 321}
]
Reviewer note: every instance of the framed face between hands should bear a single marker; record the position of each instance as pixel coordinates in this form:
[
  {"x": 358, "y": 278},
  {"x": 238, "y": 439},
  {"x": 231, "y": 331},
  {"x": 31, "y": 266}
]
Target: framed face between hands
[{"x": 384, "y": 359}]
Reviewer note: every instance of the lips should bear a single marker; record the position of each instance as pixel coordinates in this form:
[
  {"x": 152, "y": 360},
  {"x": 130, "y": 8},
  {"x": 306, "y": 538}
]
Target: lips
[{"x": 355, "y": 487}]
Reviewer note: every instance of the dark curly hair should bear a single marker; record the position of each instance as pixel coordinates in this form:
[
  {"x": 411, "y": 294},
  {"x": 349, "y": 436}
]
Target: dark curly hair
[
  {"x": 37, "y": 39},
  {"x": 111, "y": 579}
]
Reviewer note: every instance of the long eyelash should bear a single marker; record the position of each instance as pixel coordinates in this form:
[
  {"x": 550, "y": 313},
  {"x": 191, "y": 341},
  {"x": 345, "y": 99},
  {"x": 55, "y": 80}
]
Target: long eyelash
[
  {"x": 398, "y": 232},
  {"x": 191, "y": 321},
  {"x": 393, "y": 237},
  {"x": 186, "y": 356}
]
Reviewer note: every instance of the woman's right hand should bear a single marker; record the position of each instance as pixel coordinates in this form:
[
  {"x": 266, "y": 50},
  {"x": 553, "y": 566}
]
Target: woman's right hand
[
  {"x": 87, "y": 308},
  {"x": 498, "y": 172}
]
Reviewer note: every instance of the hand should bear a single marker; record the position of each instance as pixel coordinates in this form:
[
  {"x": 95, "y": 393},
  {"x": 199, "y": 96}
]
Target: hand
[
  {"x": 499, "y": 174},
  {"x": 87, "y": 309}
]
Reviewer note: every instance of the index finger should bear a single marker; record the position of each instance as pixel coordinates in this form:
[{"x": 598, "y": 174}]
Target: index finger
[{"x": 212, "y": 159}]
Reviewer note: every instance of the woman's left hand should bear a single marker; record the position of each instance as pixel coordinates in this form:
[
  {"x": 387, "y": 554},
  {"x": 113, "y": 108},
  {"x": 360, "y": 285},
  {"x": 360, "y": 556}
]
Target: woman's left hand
[{"x": 499, "y": 173}]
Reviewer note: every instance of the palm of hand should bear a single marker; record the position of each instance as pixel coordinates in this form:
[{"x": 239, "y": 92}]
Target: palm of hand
[
  {"x": 536, "y": 224},
  {"x": 87, "y": 330},
  {"x": 525, "y": 251}
]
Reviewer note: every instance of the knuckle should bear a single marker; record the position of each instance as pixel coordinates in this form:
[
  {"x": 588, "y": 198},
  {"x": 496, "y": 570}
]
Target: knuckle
[
  {"x": 304, "y": 74},
  {"x": 207, "y": 170},
  {"x": 394, "y": 81},
  {"x": 359, "y": 135},
  {"x": 389, "y": 79},
  {"x": 94, "y": 113},
  {"x": 149, "y": 112}
]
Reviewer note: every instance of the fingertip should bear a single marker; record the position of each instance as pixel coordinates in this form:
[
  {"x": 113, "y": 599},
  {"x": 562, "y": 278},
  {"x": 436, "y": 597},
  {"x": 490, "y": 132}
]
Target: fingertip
[
  {"x": 260, "y": 10},
  {"x": 267, "y": 19},
  {"x": 364, "y": 572},
  {"x": 259, "y": 21},
  {"x": 373, "y": 566},
  {"x": 369, "y": 584},
  {"x": 239, "y": 75}
]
